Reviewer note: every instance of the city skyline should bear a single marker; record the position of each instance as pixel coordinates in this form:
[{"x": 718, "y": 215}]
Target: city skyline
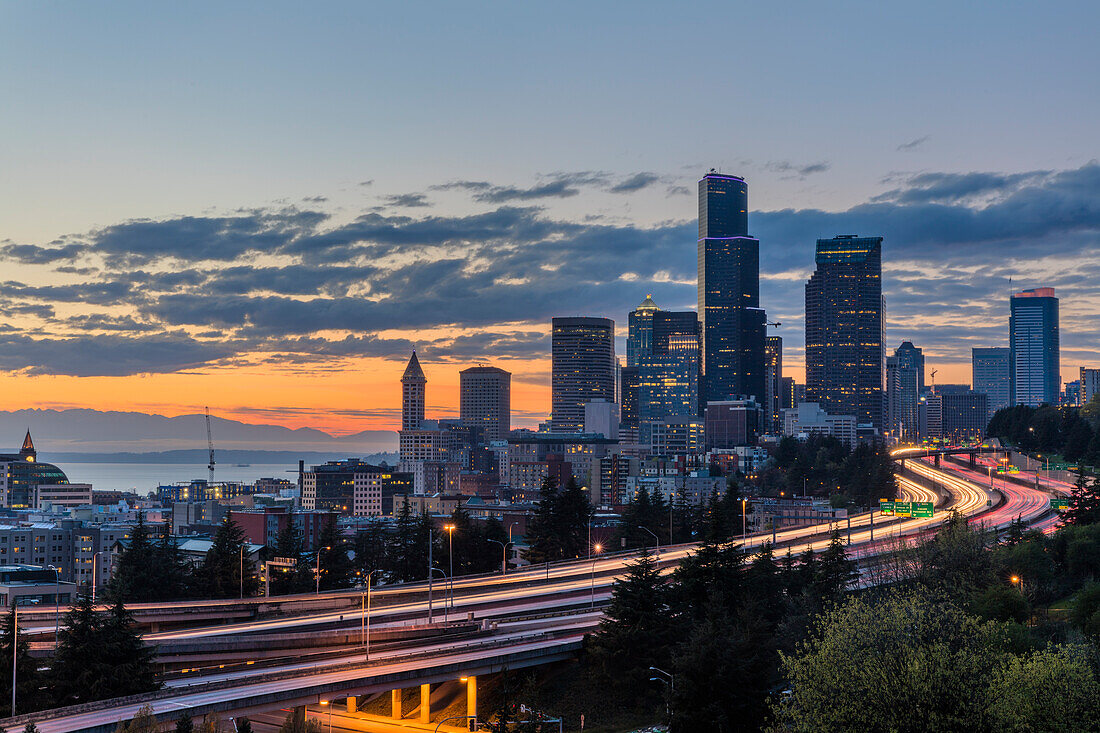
[{"x": 300, "y": 238}]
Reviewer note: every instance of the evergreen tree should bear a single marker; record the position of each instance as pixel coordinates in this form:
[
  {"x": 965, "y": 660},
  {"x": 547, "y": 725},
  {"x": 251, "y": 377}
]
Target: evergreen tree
[
  {"x": 244, "y": 725},
  {"x": 573, "y": 512},
  {"x": 403, "y": 552},
  {"x": 296, "y": 579},
  {"x": 1084, "y": 501},
  {"x": 296, "y": 722},
  {"x": 542, "y": 531},
  {"x": 370, "y": 551},
  {"x": 30, "y": 728},
  {"x": 77, "y": 674},
  {"x": 173, "y": 573},
  {"x": 127, "y": 662},
  {"x": 135, "y": 567},
  {"x": 222, "y": 569},
  {"x": 635, "y": 632},
  {"x": 29, "y": 694},
  {"x": 1077, "y": 441},
  {"x": 835, "y": 571},
  {"x": 184, "y": 724},
  {"x": 337, "y": 569}
]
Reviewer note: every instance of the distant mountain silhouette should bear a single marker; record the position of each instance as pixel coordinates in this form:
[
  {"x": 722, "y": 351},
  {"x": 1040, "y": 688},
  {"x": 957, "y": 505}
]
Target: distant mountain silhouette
[{"x": 98, "y": 432}]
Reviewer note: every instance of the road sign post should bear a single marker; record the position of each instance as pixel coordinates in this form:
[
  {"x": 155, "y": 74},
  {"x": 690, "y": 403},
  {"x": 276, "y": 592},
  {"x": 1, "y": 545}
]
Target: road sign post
[{"x": 886, "y": 506}]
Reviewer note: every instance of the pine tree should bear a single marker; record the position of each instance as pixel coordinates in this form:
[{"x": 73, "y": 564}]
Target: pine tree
[
  {"x": 403, "y": 551},
  {"x": 29, "y": 693},
  {"x": 244, "y": 725},
  {"x": 127, "y": 661},
  {"x": 573, "y": 513},
  {"x": 77, "y": 674},
  {"x": 173, "y": 573},
  {"x": 542, "y": 531},
  {"x": 835, "y": 571},
  {"x": 635, "y": 632},
  {"x": 370, "y": 551},
  {"x": 299, "y": 577},
  {"x": 184, "y": 724},
  {"x": 135, "y": 566},
  {"x": 228, "y": 555},
  {"x": 337, "y": 569},
  {"x": 1084, "y": 501}
]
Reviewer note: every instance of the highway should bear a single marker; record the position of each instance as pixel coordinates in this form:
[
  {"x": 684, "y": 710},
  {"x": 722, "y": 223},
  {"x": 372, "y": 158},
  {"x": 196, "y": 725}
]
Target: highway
[{"x": 516, "y": 602}]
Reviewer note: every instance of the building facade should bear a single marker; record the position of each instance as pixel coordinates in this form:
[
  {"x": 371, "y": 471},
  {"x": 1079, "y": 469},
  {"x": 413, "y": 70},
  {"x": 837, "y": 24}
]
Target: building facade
[
  {"x": 773, "y": 384},
  {"x": 352, "y": 487},
  {"x": 1034, "y": 348},
  {"x": 583, "y": 368},
  {"x": 807, "y": 418},
  {"x": 958, "y": 418},
  {"x": 1090, "y": 384},
  {"x": 732, "y": 423},
  {"x": 485, "y": 401},
  {"x": 904, "y": 385},
  {"x": 990, "y": 374},
  {"x": 845, "y": 351},
  {"x": 731, "y": 320}
]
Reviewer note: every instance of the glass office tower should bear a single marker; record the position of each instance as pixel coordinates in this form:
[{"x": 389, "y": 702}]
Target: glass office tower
[
  {"x": 729, "y": 310},
  {"x": 1033, "y": 348},
  {"x": 583, "y": 369},
  {"x": 990, "y": 375},
  {"x": 845, "y": 353}
]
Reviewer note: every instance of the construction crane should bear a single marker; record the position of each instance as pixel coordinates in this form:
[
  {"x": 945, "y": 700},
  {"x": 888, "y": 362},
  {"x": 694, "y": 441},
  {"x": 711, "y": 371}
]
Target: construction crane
[
  {"x": 210, "y": 445},
  {"x": 933, "y": 391}
]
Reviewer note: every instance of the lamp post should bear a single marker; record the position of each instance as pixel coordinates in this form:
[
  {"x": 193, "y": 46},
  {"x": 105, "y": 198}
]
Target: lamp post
[
  {"x": 669, "y": 680},
  {"x": 56, "y": 603},
  {"x": 445, "y": 616},
  {"x": 317, "y": 570},
  {"x": 364, "y": 621},
  {"x": 651, "y": 534},
  {"x": 504, "y": 556},
  {"x": 95, "y": 565},
  {"x": 14, "y": 651},
  {"x": 592, "y": 594},
  {"x": 242, "y": 572},
  {"x": 451, "y": 564},
  {"x": 325, "y": 704},
  {"x": 744, "y": 533}
]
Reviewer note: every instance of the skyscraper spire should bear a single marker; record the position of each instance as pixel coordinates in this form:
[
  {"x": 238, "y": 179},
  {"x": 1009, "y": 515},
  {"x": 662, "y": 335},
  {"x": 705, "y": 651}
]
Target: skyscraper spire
[
  {"x": 412, "y": 395},
  {"x": 28, "y": 451}
]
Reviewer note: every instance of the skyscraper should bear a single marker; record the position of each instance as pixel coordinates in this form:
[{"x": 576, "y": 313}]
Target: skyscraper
[
  {"x": 1090, "y": 384},
  {"x": 649, "y": 329},
  {"x": 729, "y": 292},
  {"x": 583, "y": 369},
  {"x": 1033, "y": 345},
  {"x": 845, "y": 353},
  {"x": 904, "y": 384},
  {"x": 668, "y": 383},
  {"x": 990, "y": 375},
  {"x": 773, "y": 383},
  {"x": 412, "y": 395},
  {"x": 485, "y": 401}
]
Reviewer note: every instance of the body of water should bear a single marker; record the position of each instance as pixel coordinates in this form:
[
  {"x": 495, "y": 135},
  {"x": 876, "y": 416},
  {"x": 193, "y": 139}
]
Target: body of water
[{"x": 145, "y": 477}]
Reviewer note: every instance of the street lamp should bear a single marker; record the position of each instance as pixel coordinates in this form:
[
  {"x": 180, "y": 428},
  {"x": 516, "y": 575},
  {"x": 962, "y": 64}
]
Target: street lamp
[
  {"x": 743, "y": 531},
  {"x": 669, "y": 680},
  {"x": 56, "y": 604},
  {"x": 592, "y": 599},
  {"x": 651, "y": 534},
  {"x": 451, "y": 561},
  {"x": 324, "y": 704},
  {"x": 317, "y": 571},
  {"x": 504, "y": 555},
  {"x": 364, "y": 622}
]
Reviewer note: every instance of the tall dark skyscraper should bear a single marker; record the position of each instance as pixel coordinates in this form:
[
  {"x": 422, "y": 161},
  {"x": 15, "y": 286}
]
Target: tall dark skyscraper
[
  {"x": 845, "y": 353},
  {"x": 583, "y": 370},
  {"x": 1034, "y": 348},
  {"x": 904, "y": 384},
  {"x": 729, "y": 292}
]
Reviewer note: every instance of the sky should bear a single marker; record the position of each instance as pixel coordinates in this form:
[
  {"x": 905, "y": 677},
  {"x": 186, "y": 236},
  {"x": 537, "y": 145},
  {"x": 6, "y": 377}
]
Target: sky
[{"x": 265, "y": 207}]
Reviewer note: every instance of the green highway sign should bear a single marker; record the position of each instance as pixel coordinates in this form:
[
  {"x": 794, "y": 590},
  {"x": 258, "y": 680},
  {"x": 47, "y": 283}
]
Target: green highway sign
[
  {"x": 886, "y": 506},
  {"x": 1058, "y": 503},
  {"x": 922, "y": 509},
  {"x": 903, "y": 509}
]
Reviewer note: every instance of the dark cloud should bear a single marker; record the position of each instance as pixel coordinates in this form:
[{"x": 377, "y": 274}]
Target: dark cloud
[
  {"x": 913, "y": 144},
  {"x": 679, "y": 191},
  {"x": 950, "y": 188},
  {"x": 26, "y": 309},
  {"x": 110, "y": 356},
  {"x": 368, "y": 182},
  {"x": 408, "y": 199},
  {"x": 636, "y": 182},
  {"x": 315, "y": 199},
  {"x": 32, "y": 254},
  {"x": 793, "y": 170}
]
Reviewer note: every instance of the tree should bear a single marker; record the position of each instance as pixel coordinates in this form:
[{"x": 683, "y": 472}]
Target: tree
[
  {"x": 128, "y": 662},
  {"x": 573, "y": 512},
  {"x": 227, "y": 557},
  {"x": 370, "y": 551},
  {"x": 244, "y": 725},
  {"x": 173, "y": 573},
  {"x": 635, "y": 632},
  {"x": 1077, "y": 441},
  {"x": 542, "y": 531},
  {"x": 296, "y": 722},
  {"x": 78, "y": 674},
  {"x": 29, "y": 693},
  {"x": 135, "y": 566},
  {"x": 184, "y": 724},
  {"x": 1020, "y": 692},
  {"x": 30, "y": 728},
  {"x": 143, "y": 722},
  {"x": 299, "y": 577},
  {"x": 913, "y": 641},
  {"x": 1086, "y": 610},
  {"x": 835, "y": 571},
  {"x": 1084, "y": 501},
  {"x": 337, "y": 569}
]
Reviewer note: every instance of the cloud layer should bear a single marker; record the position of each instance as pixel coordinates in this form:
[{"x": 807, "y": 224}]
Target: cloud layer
[{"x": 297, "y": 285}]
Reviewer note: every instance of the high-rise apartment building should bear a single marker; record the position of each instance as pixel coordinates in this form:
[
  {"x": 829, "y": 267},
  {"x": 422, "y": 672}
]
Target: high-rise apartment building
[
  {"x": 845, "y": 351},
  {"x": 904, "y": 384},
  {"x": 729, "y": 292},
  {"x": 583, "y": 368},
  {"x": 485, "y": 402},
  {"x": 773, "y": 384},
  {"x": 1090, "y": 384},
  {"x": 990, "y": 375},
  {"x": 1033, "y": 344}
]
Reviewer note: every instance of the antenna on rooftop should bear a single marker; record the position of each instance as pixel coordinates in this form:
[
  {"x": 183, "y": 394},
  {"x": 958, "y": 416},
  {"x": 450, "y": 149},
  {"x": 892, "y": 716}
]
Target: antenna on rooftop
[{"x": 210, "y": 445}]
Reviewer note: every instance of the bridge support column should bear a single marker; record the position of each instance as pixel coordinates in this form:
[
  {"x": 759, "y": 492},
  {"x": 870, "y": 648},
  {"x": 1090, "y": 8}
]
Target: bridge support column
[
  {"x": 425, "y": 703},
  {"x": 936, "y": 458},
  {"x": 471, "y": 696},
  {"x": 352, "y": 703},
  {"x": 395, "y": 704},
  {"x": 973, "y": 461}
]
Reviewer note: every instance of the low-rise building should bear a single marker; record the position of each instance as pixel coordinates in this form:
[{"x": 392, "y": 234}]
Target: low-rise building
[{"x": 807, "y": 418}]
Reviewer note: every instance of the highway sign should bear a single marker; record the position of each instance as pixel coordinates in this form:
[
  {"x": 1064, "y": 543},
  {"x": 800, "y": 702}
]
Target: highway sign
[
  {"x": 903, "y": 509},
  {"x": 1058, "y": 503},
  {"x": 922, "y": 509},
  {"x": 886, "y": 506}
]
